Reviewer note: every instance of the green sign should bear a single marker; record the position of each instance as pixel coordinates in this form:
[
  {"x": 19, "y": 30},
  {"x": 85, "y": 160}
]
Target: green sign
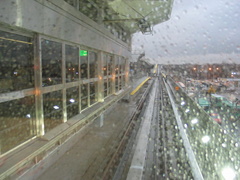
[{"x": 83, "y": 53}]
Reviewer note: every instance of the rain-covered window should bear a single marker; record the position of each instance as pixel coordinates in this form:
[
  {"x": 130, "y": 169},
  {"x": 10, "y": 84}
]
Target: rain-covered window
[
  {"x": 84, "y": 64},
  {"x": 52, "y": 109},
  {"x": 16, "y": 62},
  {"x": 84, "y": 96},
  {"x": 17, "y": 122},
  {"x": 72, "y": 102},
  {"x": 51, "y": 63},
  {"x": 93, "y": 64},
  {"x": 72, "y": 63}
]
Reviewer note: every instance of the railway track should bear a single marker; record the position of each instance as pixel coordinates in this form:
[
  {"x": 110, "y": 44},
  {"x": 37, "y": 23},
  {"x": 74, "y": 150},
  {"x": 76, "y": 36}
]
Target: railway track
[
  {"x": 113, "y": 164},
  {"x": 165, "y": 155}
]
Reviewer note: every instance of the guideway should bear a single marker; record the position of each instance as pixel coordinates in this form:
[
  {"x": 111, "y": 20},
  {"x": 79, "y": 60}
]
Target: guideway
[{"x": 159, "y": 152}]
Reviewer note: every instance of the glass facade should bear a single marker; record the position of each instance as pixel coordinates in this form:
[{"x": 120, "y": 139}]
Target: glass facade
[
  {"x": 67, "y": 83},
  {"x": 93, "y": 64},
  {"x": 84, "y": 67},
  {"x": 93, "y": 91},
  {"x": 84, "y": 96},
  {"x": 17, "y": 122},
  {"x": 52, "y": 109},
  {"x": 72, "y": 102},
  {"x": 16, "y": 68},
  {"x": 72, "y": 63},
  {"x": 105, "y": 86},
  {"x": 51, "y": 63}
]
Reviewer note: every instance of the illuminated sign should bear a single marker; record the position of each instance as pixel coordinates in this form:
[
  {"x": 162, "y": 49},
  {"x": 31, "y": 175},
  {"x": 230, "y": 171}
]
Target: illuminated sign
[{"x": 83, "y": 53}]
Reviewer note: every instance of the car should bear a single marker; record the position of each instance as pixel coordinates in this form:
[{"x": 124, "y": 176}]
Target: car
[{"x": 216, "y": 117}]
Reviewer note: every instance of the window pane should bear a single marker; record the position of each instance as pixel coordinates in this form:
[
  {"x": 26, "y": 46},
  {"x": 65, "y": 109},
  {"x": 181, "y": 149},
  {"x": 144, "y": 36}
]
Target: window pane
[
  {"x": 109, "y": 86},
  {"x": 17, "y": 122},
  {"x": 51, "y": 63},
  {"x": 116, "y": 84},
  {"x": 123, "y": 81},
  {"x": 72, "y": 102},
  {"x": 16, "y": 62},
  {"x": 105, "y": 65},
  {"x": 117, "y": 66},
  {"x": 110, "y": 64},
  {"x": 52, "y": 107},
  {"x": 105, "y": 88},
  {"x": 72, "y": 59},
  {"x": 93, "y": 64},
  {"x": 122, "y": 65},
  {"x": 93, "y": 91},
  {"x": 120, "y": 82},
  {"x": 84, "y": 96},
  {"x": 84, "y": 67}
]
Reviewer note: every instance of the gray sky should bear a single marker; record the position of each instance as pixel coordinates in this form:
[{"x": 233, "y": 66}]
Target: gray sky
[{"x": 200, "y": 31}]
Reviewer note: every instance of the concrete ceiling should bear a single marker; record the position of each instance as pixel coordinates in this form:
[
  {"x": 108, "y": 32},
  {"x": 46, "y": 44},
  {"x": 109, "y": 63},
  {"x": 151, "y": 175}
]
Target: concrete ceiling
[{"x": 140, "y": 15}]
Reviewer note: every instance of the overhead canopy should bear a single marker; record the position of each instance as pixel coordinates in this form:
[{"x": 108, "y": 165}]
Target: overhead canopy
[{"x": 140, "y": 14}]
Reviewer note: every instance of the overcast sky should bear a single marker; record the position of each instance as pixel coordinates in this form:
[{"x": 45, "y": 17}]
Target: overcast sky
[{"x": 200, "y": 31}]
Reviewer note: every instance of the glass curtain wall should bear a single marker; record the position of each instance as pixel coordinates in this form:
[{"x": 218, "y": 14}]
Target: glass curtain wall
[
  {"x": 110, "y": 71},
  {"x": 69, "y": 85},
  {"x": 117, "y": 65},
  {"x": 51, "y": 63},
  {"x": 17, "y": 102},
  {"x": 93, "y": 67},
  {"x": 72, "y": 63}
]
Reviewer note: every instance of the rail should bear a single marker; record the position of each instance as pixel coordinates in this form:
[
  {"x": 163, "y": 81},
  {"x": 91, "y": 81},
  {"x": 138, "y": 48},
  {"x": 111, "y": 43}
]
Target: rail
[{"x": 109, "y": 170}]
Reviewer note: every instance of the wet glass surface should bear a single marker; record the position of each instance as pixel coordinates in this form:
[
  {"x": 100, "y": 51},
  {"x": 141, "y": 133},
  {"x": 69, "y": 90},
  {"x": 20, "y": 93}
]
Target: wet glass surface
[
  {"x": 93, "y": 92},
  {"x": 116, "y": 83},
  {"x": 72, "y": 102},
  {"x": 52, "y": 109},
  {"x": 93, "y": 64},
  {"x": 16, "y": 67},
  {"x": 72, "y": 63},
  {"x": 51, "y": 63},
  {"x": 105, "y": 86},
  {"x": 84, "y": 67},
  {"x": 84, "y": 96},
  {"x": 17, "y": 122}
]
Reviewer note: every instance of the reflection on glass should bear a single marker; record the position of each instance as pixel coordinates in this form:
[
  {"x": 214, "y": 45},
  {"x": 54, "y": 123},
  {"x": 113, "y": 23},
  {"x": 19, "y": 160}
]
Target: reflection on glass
[
  {"x": 123, "y": 81},
  {"x": 93, "y": 90},
  {"x": 72, "y": 102},
  {"x": 93, "y": 64},
  {"x": 84, "y": 67},
  {"x": 52, "y": 109},
  {"x": 109, "y": 86},
  {"x": 116, "y": 84},
  {"x": 117, "y": 66},
  {"x": 84, "y": 96},
  {"x": 51, "y": 63},
  {"x": 16, "y": 62},
  {"x": 17, "y": 122},
  {"x": 120, "y": 82},
  {"x": 72, "y": 60},
  {"x": 105, "y": 88},
  {"x": 110, "y": 64},
  {"x": 122, "y": 65},
  {"x": 105, "y": 65}
]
